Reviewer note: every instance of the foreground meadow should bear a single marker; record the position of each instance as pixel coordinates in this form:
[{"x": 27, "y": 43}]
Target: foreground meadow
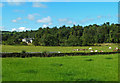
[
  {"x": 62, "y": 49},
  {"x": 67, "y": 68}
]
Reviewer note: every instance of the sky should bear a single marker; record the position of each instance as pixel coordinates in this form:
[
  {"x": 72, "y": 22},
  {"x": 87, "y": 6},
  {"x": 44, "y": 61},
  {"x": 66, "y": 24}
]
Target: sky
[
  {"x": 21, "y": 16},
  {"x": 60, "y": 0}
]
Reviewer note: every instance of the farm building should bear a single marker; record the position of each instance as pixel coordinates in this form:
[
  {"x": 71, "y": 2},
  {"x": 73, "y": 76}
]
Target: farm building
[{"x": 27, "y": 40}]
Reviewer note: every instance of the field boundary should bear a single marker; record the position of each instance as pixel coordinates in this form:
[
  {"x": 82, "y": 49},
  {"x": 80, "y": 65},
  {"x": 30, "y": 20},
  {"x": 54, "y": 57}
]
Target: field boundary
[{"x": 23, "y": 55}]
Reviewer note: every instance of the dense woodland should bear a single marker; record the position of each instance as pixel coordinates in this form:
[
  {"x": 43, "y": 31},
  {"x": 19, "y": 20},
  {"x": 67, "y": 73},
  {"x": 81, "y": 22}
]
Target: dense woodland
[{"x": 66, "y": 36}]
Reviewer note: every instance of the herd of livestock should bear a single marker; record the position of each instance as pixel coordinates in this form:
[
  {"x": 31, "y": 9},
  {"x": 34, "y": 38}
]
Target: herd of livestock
[{"x": 116, "y": 49}]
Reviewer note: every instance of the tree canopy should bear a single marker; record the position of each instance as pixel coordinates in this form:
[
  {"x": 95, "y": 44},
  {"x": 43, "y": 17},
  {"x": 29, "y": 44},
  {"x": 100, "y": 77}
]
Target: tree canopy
[{"x": 66, "y": 36}]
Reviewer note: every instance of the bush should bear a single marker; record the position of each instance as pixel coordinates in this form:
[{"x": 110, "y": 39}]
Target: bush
[
  {"x": 23, "y": 51},
  {"x": 23, "y": 54},
  {"x": 45, "y": 53},
  {"x": 23, "y": 43}
]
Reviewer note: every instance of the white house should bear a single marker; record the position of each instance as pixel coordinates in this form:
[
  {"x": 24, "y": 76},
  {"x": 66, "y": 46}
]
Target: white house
[{"x": 27, "y": 40}]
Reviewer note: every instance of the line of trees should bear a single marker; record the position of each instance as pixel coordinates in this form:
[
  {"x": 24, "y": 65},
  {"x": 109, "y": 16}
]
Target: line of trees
[{"x": 66, "y": 36}]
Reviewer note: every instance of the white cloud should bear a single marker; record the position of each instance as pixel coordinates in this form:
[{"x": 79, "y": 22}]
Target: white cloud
[
  {"x": 61, "y": 0},
  {"x": 14, "y": 29},
  {"x": 118, "y": 15},
  {"x": 99, "y": 17},
  {"x": 0, "y": 18},
  {"x": 31, "y": 17},
  {"x": 45, "y": 20},
  {"x": 62, "y": 20},
  {"x": 20, "y": 29},
  {"x": 44, "y": 26},
  {"x": 27, "y": 0},
  {"x": 15, "y": 3},
  {"x": 2, "y": 27},
  {"x": 19, "y": 18},
  {"x": 70, "y": 22},
  {"x": 20, "y": 11},
  {"x": 86, "y": 20},
  {"x": 66, "y": 21},
  {"x": 36, "y": 4},
  {"x": 39, "y": 0},
  {"x": 14, "y": 0},
  {"x": 50, "y": 23},
  {"x": 14, "y": 20},
  {"x": 23, "y": 28},
  {"x": 102, "y": 17},
  {"x": 1, "y": 5}
]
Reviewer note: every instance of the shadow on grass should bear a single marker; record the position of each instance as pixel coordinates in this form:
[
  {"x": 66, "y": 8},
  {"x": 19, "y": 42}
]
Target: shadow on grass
[
  {"x": 109, "y": 58},
  {"x": 68, "y": 75},
  {"x": 84, "y": 57},
  {"x": 92, "y": 80},
  {"x": 30, "y": 71},
  {"x": 86, "y": 80},
  {"x": 57, "y": 64},
  {"x": 89, "y": 60}
]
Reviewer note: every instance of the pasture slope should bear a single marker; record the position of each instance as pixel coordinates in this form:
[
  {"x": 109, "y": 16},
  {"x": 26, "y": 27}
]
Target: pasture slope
[
  {"x": 62, "y": 49},
  {"x": 67, "y": 68}
]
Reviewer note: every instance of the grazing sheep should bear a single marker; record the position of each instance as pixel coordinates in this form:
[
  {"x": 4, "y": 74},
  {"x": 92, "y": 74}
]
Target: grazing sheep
[
  {"x": 96, "y": 50},
  {"x": 109, "y": 47},
  {"x": 116, "y": 48},
  {"x": 74, "y": 50},
  {"x": 58, "y": 51},
  {"x": 82, "y": 49},
  {"x": 90, "y": 48},
  {"x": 101, "y": 51},
  {"x": 79, "y": 49}
]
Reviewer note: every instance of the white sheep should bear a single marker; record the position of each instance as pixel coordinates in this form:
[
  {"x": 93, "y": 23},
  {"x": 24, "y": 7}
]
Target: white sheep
[
  {"x": 77, "y": 49},
  {"x": 90, "y": 48},
  {"x": 58, "y": 51},
  {"x": 91, "y": 51},
  {"x": 96, "y": 50},
  {"x": 109, "y": 47},
  {"x": 101, "y": 51},
  {"x": 116, "y": 48}
]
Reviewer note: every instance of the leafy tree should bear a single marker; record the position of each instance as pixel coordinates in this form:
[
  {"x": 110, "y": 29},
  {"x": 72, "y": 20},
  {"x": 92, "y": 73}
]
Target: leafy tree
[{"x": 66, "y": 35}]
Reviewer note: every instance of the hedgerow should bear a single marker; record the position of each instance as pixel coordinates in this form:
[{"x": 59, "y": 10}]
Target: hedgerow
[{"x": 24, "y": 55}]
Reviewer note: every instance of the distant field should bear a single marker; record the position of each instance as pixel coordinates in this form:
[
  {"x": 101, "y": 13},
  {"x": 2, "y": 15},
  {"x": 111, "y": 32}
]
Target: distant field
[
  {"x": 9, "y": 48},
  {"x": 67, "y": 68}
]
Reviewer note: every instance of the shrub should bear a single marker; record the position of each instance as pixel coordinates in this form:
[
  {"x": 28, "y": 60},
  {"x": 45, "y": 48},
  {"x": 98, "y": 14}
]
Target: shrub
[
  {"x": 45, "y": 53},
  {"x": 23, "y": 51},
  {"x": 23, "y": 54},
  {"x": 23, "y": 43}
]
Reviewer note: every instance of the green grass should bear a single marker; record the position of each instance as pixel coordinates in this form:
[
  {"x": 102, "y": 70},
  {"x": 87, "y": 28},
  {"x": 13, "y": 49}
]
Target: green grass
[
  {"x": 67, "y": 68},
  {"x": 9, "y": 48}
]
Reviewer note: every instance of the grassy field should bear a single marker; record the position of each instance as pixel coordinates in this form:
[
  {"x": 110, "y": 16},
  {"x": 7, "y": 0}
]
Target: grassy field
[
  {"x": 9, "y": 48},
  {"x": 67, "y": 68}
]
